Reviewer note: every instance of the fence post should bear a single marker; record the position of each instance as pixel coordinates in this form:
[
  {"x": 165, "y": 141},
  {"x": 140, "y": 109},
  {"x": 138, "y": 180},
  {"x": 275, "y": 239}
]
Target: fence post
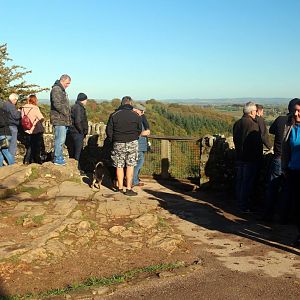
[{"x": 165, "y": 158}]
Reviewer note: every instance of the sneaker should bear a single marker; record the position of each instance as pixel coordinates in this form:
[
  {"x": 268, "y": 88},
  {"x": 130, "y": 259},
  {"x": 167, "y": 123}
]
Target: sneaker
[
  {"x": 130, "y": 193},
  {"x": 59, "y": 162},
  {"x": 139, "y": 184},
  {"x": 118, "y": 190}
]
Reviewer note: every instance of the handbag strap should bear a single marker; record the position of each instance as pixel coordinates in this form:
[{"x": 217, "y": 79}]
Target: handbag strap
[{"x": 28, "y": 111}]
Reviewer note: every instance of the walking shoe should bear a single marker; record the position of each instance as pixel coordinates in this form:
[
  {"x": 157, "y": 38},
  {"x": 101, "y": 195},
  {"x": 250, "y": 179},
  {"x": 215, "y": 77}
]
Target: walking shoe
[
  {"x": 139, "y": 184},
  {"x": 130, "y": 193},
  {"x": 59, "y": 162},
  {"x": 118, "y": 190}
]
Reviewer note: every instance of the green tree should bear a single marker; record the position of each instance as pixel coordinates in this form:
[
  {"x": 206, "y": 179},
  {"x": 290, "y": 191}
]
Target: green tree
[{"x": 11, "y": 78}]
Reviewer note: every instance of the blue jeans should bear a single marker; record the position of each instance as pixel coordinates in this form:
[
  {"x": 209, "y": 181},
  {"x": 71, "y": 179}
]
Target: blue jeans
[
  {"x": 5, "y": 154},
  {"x": 60, "y": 133},
  {"x": 137, "y": 168},
  {"x": 245, "y": 175},
  {"x": 13, "y": 142}
]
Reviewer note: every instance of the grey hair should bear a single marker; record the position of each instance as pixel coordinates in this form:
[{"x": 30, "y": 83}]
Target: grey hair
[
  {"x": 13, "y": 97},
  {"x": 126, "y": 100},
  {"x": 248, "y": 107},
  {"x": 64, "y": 77}
]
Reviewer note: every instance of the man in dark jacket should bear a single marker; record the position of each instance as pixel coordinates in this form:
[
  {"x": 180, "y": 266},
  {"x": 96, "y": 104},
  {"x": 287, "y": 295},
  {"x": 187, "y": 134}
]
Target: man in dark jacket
[
  {"x": 249, "y": 151},
  {"x": 5, "y": 134},
  {"x": 262, "y": 126},
  {"x": 123, "y": 130},
  {"x": 276, "y": 180},
  {"x": 79, "y": 128},
  {"x": 60, "y": 116},
  {"x": 14, "y": 117}
]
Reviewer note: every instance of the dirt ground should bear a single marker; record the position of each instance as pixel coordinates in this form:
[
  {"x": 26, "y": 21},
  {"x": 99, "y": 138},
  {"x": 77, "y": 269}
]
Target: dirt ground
[{"x": 215, "y": 245}]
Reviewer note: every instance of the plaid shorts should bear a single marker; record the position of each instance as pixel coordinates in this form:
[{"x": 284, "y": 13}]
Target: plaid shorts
[{"x": 125, "y": 154}]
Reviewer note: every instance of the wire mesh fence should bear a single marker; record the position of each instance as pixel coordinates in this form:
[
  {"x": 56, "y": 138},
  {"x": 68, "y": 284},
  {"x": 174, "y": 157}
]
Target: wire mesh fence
[{"x": 183, "y": 157}]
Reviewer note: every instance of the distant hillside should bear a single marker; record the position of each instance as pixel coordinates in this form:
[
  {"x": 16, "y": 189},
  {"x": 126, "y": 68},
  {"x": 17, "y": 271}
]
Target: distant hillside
[
  {"x": 213, "y": 101},
  {"x": 221, "y": 101},
  {"x": 167, "y": 118}
]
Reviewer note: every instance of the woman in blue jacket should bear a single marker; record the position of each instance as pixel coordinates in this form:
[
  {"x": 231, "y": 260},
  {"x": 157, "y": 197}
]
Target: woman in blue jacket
[{"x": 291, "y": 161}]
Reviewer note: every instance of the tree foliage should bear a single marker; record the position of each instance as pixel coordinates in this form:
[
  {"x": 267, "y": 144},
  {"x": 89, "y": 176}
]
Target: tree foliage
[{"x": 11, "y": 78}]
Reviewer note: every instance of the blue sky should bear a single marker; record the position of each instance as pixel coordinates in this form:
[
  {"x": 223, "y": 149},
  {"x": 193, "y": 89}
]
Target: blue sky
[{"x": 162, "y": 49}]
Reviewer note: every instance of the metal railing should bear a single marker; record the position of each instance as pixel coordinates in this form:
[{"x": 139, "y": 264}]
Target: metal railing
[{"x": 172, "y": 156}]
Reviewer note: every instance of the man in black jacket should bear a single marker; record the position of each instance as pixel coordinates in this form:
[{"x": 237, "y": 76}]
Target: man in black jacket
[
  {"x": 60, "y": 116},
  {"x": 249, "y": 151},
  {"x": 277, "y": 188},
  {"x": 14, "y": 117},
  {"x": 79, "y": 128},
  {"x": 123, "y": 130}
]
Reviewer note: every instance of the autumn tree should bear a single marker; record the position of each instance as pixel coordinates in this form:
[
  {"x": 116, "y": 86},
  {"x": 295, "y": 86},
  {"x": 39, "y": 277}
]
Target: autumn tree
[{"x": 11, "y": 78}]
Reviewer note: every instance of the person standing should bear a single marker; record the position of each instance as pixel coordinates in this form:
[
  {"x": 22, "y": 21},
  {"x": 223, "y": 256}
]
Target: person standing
[
  {"x": 34, "y": 135},
  {"x": 79, "y": 128},
  {"x": 262, "y": 126},
  {"x": 277, "y": 189},
  {"x": 123, "y": 129},
  {"x": 249, "y": 151},
  {"x": 143, "y": 144},
  {"x": 5, "y": 133},
  {"x": 60, "y": 116},
  {"x": 14, "y": 117},
  {"x": 290, "y": 160}
]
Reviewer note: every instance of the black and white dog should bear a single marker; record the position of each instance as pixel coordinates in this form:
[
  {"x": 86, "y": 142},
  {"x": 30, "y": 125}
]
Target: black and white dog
[{"x": 98, "y": 175}]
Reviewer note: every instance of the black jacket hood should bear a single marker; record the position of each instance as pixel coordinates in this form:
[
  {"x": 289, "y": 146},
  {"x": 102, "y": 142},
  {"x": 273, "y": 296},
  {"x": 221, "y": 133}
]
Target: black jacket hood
[{"x": 57, "y": 82}]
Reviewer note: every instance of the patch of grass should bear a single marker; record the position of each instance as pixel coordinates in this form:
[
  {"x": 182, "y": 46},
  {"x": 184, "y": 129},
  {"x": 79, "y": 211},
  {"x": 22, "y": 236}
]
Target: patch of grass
[
  {"x": 14, "y": 259},
  {"x": 96, "y": 282},
  {"x": 34, "y": 174},
  {"x": 38, "y": 219},
  {"x": 33, "y": 191},
  {"x": 162, "y": 223},
  {"x": 21, "y": 219},
  {"x": 93, "y": 225},
  {"x": 129, "y": 224}
]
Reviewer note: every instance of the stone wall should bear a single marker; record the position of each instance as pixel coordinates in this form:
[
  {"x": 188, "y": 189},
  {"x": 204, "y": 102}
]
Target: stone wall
[
  {"x": 92, "y": 143},
  {"x": 217, "y": 164}
]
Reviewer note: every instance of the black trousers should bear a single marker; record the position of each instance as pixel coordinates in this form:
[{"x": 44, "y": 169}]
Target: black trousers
[
  {"x": 33, "y": 146},
  {"x": 293, "y": 180}
]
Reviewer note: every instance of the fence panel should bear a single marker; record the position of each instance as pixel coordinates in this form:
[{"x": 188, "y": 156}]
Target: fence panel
[{"x": 183, "y": 157}]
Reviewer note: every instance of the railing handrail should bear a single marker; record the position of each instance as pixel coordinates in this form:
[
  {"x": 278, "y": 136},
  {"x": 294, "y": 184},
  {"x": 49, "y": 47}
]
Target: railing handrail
[{"x": 173, "y": 138}]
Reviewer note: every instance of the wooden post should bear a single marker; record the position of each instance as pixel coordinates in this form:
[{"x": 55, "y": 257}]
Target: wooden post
[{"x": 165, "y": 158}]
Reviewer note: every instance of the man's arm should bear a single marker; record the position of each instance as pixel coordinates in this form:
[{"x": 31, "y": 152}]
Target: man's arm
[
  {"x": 264, "y": 132},
  {"x": 58, "y": 100},
  {"x": 145, "y": 122},
  {"x": 77, "y": 119},
  {"x": 109, "y": 128}
]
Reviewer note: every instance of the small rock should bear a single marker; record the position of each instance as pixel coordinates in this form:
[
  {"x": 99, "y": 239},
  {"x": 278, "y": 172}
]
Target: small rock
[
  {"x": 27, "y": 222},
  {"x": 77, "y": 214},
  {"x": 27, "y": 272},
  {"x": 147, "y": 221},
  {"x": 117, "y": 229},
  {"x": 84, "y": 225},
  {"x": 101, "y": 291},
  {"x": 165, "y": 274}
]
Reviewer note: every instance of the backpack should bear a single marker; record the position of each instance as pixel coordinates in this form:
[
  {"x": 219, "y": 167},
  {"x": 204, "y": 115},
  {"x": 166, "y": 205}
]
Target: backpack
[{"x": 26, "y": 122}]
